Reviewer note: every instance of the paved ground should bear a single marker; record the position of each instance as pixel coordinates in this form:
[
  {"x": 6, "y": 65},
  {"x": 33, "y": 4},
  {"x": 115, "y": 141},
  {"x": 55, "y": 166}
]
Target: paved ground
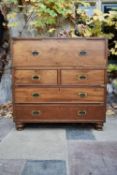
[{"x": 58, "y": 150}]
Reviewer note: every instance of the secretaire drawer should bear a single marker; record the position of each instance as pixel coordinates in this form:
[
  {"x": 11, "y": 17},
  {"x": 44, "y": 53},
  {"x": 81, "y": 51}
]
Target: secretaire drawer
[
  {"x": 87, "y": 77},
  {"x": 59, "y": 113},
  {"x": 50, "y": 95},
  {"x": 59, "y": 52},
  {"x": 35, "y": 77}
]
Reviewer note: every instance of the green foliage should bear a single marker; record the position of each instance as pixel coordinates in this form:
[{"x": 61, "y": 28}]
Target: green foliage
[
  {"x": 112, "y": 68},
  {"x": 99, "y": 25},
  {"x": 45, "y": 15},
  {"x": 10, "y": 1},
  {"x": 114, "y": 49},
  {"x": 49, "y": 14}
]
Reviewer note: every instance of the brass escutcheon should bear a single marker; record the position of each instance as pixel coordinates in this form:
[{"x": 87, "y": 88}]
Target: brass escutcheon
[
  {"x": 35, "y": 53},
  {"x": 81, "y": 113},
  {"x": 81, "y": 77},
  {"x": 36, "y": 113},
  {"x": 83, "y": 53},
  {"x": 35, "y": 94},
  {"x": 36, "y": 77},
  {"x": 82, "y": 94}
]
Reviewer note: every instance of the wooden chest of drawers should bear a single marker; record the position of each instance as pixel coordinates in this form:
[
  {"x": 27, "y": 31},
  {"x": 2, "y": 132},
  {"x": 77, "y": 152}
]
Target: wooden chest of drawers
[{"x": 59, "y": 80}]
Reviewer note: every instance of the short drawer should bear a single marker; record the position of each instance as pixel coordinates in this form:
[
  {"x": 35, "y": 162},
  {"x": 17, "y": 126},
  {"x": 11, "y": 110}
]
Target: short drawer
[
  {"x": 59, "y": 113},
  {"x": 56, "y": 95},
  {"x": 59, "y": 52},
  {"x": 35, "y": 77},
  {"x": 82, "y": 77}
]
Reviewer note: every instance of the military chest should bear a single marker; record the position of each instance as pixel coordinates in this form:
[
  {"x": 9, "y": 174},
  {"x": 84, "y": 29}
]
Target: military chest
[{"x": 59, "y": 80}]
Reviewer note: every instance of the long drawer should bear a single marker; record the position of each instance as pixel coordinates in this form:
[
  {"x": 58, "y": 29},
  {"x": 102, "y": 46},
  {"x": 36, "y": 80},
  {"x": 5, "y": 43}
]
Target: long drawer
[
  {"x": 71, "y": 95},
  {"x": 59, "y": 113},
  {"x": 84, "y": 77},
  {"x": 61, "y": 52},
  {"x": 35, "y": 77}
]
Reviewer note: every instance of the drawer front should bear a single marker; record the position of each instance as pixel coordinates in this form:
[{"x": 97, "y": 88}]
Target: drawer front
[
  {"x": 71, "y": 95},
  {"x": 77, "y": 77},
  {"x": 35, "y": 77},
  {"x": 59, "y": 113},
  {"x": 59, "y": 52}
]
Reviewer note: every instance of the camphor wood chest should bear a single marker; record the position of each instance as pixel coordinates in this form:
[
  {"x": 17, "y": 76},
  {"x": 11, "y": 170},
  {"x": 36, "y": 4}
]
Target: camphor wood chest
[{"x": 59, "y": 80}]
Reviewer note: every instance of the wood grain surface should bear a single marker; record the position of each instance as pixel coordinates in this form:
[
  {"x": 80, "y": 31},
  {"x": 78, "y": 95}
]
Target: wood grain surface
[
  {"x": 59, "y": 53},
  {"x": 25, "y": 95}
]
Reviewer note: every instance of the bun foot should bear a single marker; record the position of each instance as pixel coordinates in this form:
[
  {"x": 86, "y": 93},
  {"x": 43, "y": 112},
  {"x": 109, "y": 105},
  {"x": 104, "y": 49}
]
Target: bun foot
[
  {"x": 99, "y": 126},
  {"x": 19, "y": 126}
]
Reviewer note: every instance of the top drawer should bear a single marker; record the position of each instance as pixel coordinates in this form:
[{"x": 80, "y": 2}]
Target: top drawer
[{"x": 59, "y": 52}]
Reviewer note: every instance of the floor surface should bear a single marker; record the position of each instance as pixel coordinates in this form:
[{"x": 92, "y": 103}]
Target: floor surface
[{"x": 58, "y": 150}]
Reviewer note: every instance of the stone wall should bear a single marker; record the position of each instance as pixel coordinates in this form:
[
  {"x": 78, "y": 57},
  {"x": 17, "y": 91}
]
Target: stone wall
[
  {"x": 5, "y": 84},
  {"x": 6, "y": 80}
]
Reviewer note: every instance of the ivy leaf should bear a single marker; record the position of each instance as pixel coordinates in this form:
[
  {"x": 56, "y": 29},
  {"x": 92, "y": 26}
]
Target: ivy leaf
[
  {"x": 51, "y": 30},
  {"x": 11, "y": 15},
  {"x": 12, "y": 24}
]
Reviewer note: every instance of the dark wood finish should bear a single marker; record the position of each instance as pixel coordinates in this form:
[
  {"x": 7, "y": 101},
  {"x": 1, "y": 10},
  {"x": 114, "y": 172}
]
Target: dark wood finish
[
  {"x": 59, "y": 80},
  {"x": 99, "y": 126},
  {"x": 45, "y": 113},
  {"x": 19, "y": 126}
]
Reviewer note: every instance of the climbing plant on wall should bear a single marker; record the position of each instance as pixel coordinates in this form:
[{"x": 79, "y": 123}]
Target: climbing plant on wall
[
  {"x": 99, "y": 25},
  {"x": 44, "y": 15}
]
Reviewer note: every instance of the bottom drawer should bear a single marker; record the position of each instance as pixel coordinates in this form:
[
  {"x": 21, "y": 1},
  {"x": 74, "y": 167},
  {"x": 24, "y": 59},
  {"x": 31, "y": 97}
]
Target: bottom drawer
[{"x": 59, "y": 113}]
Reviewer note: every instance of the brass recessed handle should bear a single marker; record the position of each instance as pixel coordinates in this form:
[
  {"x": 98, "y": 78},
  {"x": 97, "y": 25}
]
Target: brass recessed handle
[
  {"x": 81, "y": 77},
  {"x": 36, "y": 77},
  {"x": 83, "y": 53},
  {"x": 82, "y": 94},
  {"x": 35, "y": 94},
  {"x": 81, "y": 113},
  {"x": 36, "y": 113},
  {"x": 35, "y": 53}
]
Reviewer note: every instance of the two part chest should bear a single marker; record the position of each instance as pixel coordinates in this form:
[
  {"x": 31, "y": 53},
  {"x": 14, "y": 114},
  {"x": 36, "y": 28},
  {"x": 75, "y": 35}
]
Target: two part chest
[{"x": 59, "y": 80}]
